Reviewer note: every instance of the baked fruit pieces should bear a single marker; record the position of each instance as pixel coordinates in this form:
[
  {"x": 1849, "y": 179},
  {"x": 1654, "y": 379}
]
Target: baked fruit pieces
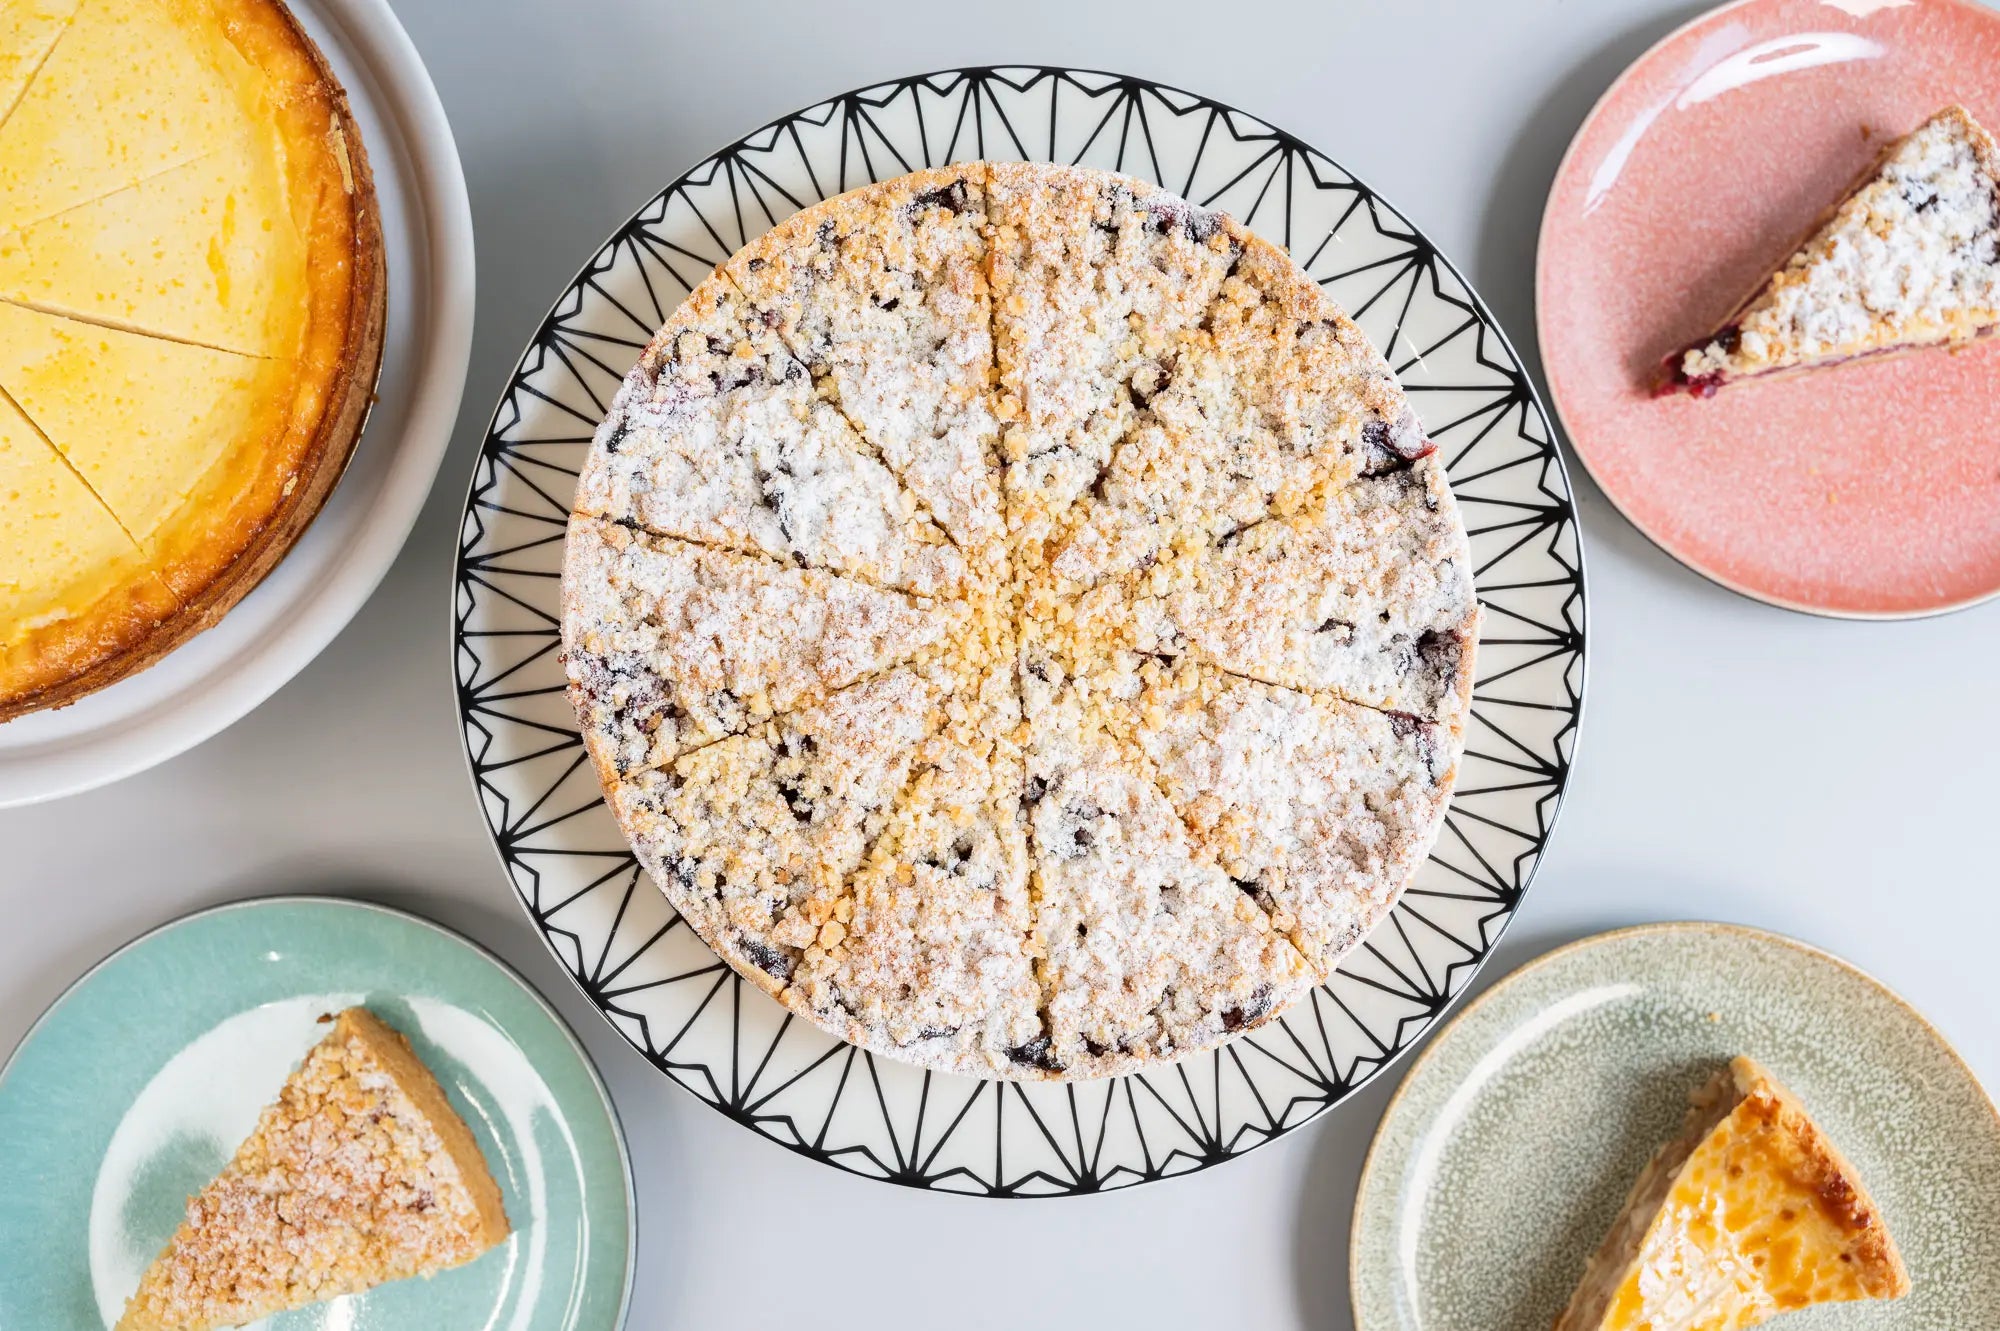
[
  {"x": 358, "y": 1174},
  {"x": 1019, "y": 622},
  {"x": 1909, "y": 259},
  {"x": 1750, "y": 1212},
  {"x": 191, "y": 306}
]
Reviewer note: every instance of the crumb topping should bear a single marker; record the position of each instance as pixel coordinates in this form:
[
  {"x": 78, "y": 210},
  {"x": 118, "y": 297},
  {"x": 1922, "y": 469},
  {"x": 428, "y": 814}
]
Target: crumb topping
[
  {"x": 1910, "y": 258},
  {"x": 882, "y": 294},
  {"x": 719, "y": 437},
  {"x": 346, "y": 1183},
  {"x": 1095, "y": 677}
]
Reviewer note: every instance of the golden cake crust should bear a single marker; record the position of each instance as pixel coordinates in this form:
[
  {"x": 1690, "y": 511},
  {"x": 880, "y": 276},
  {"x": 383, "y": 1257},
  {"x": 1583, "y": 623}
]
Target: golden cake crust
[
  {"x": 1806, "y": 1154},
  {"x": 390, "y": 1049},
  {"x": 235, "y": 530},
  {"x": 1748, "y": 1213}
]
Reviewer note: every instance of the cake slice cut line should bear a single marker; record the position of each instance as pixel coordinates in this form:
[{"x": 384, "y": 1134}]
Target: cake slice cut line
[
  {"x": 1314, "y": 696},
  {"x": 867, "y": 680},
  {"x": 777, "y": 716},
  {"x": 761, "y": 556},
  {"x": 21, "y": 95},
  {"x": 65, "y": 535},
  {"x": 73, "y": 470},
  {"x": 124, "y": 325},
  {"x": 1329, "y": 694},
  {"x": 1014, "y": 607},
  {"x": 1450, "y": 713},
  {"x": 1071, "y": 520},
  {"x": 748, "y": 544},
  {"x": 19, "y": 230}
]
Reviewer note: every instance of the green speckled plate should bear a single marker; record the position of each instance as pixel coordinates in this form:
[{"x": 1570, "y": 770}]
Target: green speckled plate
[
  {"x": 136, "y": 1086},
  {"x": 1510, "y": 1146}
]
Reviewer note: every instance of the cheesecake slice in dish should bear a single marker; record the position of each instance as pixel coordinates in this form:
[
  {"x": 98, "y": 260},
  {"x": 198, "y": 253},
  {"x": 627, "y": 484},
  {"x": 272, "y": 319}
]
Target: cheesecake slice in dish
[
  {"x": 1909, "y": 258},
  {"x": 1749, "y": 1213},
  {"x": 359, "y": 1173}
]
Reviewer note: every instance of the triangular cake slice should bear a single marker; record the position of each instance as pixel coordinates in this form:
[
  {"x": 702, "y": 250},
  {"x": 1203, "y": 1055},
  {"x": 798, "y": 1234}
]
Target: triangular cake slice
[
  {"x": 358, "y": 1174},
  {"x": 1095, "y": 278},
  {"x": 1145, "y": 946},
  {"x": 882, "y": 294},
  {"x": 180, "y": 442},
  {"x": 670, "y": 645},
  {"x": 752, "y": 838},
  {"x": 719, "y": 437},
  {"x": 1749, "y": 1213},
  {"x": 1910, "y": 258}
]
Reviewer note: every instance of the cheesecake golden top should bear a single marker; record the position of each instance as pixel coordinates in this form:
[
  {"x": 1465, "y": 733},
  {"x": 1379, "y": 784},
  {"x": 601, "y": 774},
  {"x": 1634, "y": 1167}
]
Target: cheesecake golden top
[
  {"x": 1749, "y": 1213},
  {"x": 1019, "y": 621},
  {"x": 190, "y": 320}
]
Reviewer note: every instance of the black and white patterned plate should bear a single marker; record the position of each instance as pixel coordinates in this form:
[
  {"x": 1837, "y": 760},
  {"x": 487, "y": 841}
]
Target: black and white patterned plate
[{"x": 739, "y": 1050}]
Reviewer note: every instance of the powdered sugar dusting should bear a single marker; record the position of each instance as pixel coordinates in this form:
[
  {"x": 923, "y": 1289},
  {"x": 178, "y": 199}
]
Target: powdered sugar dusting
[
  {"x": 1035, "y": 813},
  {"x": 883, "y": 293},
  {"x": 347, "y": 1181},
  {"x": 1911, "y": 258}
]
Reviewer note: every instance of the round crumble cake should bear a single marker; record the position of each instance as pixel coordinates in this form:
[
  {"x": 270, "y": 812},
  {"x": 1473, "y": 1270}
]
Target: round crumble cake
[{"x": 1019, "y": 621}]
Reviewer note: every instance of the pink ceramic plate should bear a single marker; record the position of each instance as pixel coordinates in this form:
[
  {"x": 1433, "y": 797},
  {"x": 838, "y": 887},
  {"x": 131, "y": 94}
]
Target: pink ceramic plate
[{"x": 1866, "y": 490}]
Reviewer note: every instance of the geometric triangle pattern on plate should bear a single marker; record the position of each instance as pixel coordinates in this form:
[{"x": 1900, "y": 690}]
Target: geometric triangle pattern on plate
[{"x": 743, "y": 1053}]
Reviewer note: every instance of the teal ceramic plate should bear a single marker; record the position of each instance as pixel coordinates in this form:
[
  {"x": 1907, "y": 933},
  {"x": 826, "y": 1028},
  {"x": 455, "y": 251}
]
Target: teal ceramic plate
[
  {"x": 1500, "y": 1163},
  {"x": 136, "y": 1087}
]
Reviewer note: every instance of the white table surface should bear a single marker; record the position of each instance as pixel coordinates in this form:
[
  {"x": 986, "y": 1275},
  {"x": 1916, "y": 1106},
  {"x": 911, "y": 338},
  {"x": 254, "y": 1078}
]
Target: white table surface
[{"x": 1833, "y": 781}]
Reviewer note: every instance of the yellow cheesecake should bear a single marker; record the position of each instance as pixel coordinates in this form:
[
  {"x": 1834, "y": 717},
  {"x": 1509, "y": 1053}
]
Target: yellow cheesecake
[
  {"x": 191, "y": 308},
  {"x": 1749, "y": 1213},
  {"x": 359, "y": 1173}
]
